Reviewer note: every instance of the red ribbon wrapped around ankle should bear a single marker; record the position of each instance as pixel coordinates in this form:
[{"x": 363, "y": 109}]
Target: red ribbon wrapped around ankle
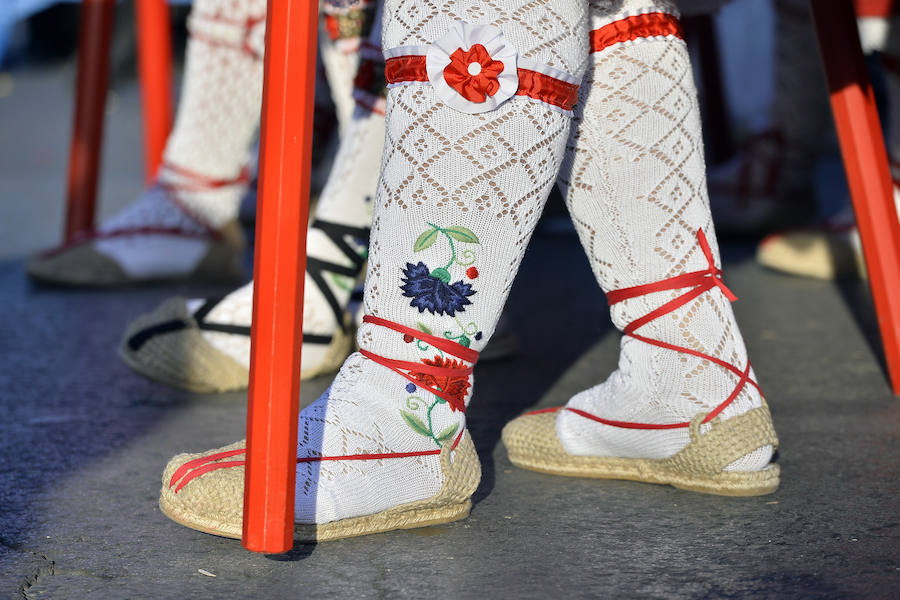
[
  {"x": 700, "y": 282},
  {"x": 246, "y": 25},
  {"x": 407, "y": 368},
  {"x": 192, "y": 182},
  {"x": 199, "y": 466}
]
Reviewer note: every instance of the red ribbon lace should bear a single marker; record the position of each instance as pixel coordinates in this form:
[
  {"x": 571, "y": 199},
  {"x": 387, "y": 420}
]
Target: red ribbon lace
[
  {"x": 635, "y": 27},
  {"x": 244, "y": 45},
  {"x": 194, "y": 182},
  {"x": 197, "y": 467},
  {"x": 406, "y": 69},
  {"x": 700, "y": 282},
  {"x": 408, "y": 369}
]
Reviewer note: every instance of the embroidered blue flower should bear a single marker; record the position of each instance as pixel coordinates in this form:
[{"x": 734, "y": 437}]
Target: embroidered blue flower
[{"x": 428, "y": 292}]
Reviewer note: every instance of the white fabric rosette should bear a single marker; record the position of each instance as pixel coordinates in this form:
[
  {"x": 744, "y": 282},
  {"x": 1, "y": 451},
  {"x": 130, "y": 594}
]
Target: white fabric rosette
[{"x": 463, "y": 37}]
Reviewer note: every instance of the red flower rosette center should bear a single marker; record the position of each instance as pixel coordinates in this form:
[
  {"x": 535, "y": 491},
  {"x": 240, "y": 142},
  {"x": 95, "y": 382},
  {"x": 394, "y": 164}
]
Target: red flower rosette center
[
  {"x": 477, "y": 87},
  {"x": 455, "y": 387}
]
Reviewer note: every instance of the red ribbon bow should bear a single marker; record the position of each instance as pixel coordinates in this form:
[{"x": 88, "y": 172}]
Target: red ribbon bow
[{"x": 474, "y": 88}]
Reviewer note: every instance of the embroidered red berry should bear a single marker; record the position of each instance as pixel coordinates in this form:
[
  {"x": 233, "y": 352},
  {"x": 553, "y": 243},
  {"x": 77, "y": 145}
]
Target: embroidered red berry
[
  {"x": 408, "y": 338},
  {"x": 471, "y": 272}
]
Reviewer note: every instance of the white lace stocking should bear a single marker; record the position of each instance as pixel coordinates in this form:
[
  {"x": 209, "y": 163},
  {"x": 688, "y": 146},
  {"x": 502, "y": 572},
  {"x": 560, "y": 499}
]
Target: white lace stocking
[
  {"x": 218, "y": 112},
  {"x": 342, "y": 27},
  {"x": 457, "y": 201},
  {"x": 345, "y": 203},
  {"x": 636, "y": 191}
]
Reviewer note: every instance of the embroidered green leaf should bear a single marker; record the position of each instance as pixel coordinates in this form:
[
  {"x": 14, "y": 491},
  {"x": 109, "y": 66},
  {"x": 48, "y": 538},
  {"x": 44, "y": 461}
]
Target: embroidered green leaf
[
  {"x": 447, "y": 433},
  {"x": 463, "y": 234},
  {"x": 425, "y": 240},
  {"x": 423, "y": 327},
  {"x": 415, "y": 423},
  {"x": 441, "y": 274},
  {"x": 464, "y": 341}
]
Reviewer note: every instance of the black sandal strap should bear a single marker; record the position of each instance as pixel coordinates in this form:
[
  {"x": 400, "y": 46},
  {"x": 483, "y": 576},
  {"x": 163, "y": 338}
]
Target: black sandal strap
[
  {"x": 136, "y": 341},
  {"x": 316, "y": 268},
  {"x": 143, "y": 336}
]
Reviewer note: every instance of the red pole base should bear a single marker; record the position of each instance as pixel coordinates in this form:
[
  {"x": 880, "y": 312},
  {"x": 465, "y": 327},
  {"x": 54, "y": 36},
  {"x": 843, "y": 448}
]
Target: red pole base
[
  {"x": 155, "y": 71},
  {"x": 866, "y": 164},
  {"x": 285, "y": 157},
  {"x": 95, "y": 32}
]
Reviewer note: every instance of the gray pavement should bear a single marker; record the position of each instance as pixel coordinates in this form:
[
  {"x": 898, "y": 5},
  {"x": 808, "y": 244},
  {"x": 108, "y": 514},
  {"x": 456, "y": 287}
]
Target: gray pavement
[{"x": 83, "y": 440}]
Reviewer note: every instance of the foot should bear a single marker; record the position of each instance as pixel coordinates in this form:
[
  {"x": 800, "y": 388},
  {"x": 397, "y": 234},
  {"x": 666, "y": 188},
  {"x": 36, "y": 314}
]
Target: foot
[
  {"x": 415, "y": 474},
  {"x": 675, "y": 412},
  {"x": 156, "y": 238},
  {"x": 203, "y": 346}
]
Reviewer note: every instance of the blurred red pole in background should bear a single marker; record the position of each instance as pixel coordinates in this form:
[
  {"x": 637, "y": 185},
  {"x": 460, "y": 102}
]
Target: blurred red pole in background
[{"x": 95, "y": 32}]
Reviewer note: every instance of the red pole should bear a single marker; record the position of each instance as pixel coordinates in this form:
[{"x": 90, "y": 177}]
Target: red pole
[
  {"x": 155, "y": 71},
  {"x": 95, "y": 32},
  {"x": 285, "y": 157},
  {"x": 866, "y": 164}
]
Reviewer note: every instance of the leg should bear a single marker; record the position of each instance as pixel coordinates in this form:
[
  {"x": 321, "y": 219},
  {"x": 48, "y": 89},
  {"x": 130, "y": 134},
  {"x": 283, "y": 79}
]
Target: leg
[
  {"x": 465, "y": 173},
  {"x": 683, "y": 407},
  {"x": 208, "y": 347},
  {"x": 769, "y": 185},
  {"x": 185, "y": 225}
]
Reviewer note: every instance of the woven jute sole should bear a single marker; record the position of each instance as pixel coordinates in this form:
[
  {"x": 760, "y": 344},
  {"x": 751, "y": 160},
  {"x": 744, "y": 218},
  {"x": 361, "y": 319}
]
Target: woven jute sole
[
  {"x": 82, "y": 266},
  {"x": 186, "y": 360},
  {"x": 181, "y": 358},
  {"x": 532, "y": 443},
  {"x": 213, "y": 502}
]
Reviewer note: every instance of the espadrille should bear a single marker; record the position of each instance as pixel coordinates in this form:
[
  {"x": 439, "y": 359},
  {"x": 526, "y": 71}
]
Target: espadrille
[
  {"x": 167, "y": 345},
  {"x": 78, "y": 263},
  {"x": 532, "y": 443},
  {"x": 206, "y": 491}
]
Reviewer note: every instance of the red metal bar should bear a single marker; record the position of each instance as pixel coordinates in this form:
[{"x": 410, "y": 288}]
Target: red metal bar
[
  {"x": 285, "y": 155},
  {"x": 155, "y": 70},
  {"x": 95, "y": 32},
  {"x": 866, "y": 164}
]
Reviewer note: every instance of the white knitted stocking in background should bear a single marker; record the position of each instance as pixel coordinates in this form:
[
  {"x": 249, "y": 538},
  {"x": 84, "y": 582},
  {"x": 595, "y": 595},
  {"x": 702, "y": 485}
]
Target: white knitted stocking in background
[
  {"x": 635, "y": 180},
  {"x": 342, "y": 27},
  {"x": 218, "y": 114},
  {"x": 457, "y": 201},
  {"x": 346, "y": 201}
]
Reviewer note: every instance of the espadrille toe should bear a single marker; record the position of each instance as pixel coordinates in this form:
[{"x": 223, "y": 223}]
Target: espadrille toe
[
  {"x": 205, "y": 492},
  {"x": 213, "y": 503},
  {"x": 79, "y": 265},
  {"x": 532, "y": 443},
  {"x": 167, "y": 345}
]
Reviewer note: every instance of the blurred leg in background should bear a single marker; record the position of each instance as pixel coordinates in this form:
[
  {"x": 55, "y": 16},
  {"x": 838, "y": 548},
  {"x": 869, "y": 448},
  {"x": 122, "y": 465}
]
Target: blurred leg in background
[{"x": 203, "y": 345}]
